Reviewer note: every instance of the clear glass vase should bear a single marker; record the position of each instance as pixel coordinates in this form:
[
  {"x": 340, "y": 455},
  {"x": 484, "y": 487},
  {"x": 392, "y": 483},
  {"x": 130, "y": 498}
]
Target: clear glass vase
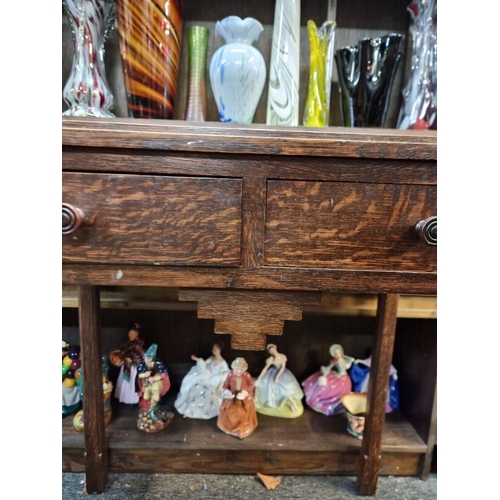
[
  {"x": 317, "y": 108},
  {"x": 87, "y": 91},
  {"x": 419, "y": 107}
]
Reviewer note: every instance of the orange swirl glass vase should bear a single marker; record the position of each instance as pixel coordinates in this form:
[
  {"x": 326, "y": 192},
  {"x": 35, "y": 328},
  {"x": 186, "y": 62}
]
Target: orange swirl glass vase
[{"x": 150, "y": 42}]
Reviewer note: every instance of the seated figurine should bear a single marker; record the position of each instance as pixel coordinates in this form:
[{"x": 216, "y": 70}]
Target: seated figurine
[
  {"x": 199, "y": 395},
  {"x": 324, "y": 388},
  {"x": 277, "y": 392},
  {"x": 237, "y": 415},
  {"x": 152, "y": 383}
]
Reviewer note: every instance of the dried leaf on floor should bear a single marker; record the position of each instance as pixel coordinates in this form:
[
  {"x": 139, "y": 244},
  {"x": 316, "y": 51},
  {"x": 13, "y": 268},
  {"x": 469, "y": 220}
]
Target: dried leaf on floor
[
  {"x": 127, "y": 485},
  {"x": 269, "y": 482},
  {"x": 192, "y": 488}
]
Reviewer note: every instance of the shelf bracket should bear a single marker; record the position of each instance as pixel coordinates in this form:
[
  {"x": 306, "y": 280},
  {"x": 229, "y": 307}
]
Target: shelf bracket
[{"x": 249, "y": 316}]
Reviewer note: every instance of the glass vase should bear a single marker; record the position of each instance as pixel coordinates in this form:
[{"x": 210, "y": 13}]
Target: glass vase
[
  {"x": 317, "y": 107},
  {"x": 284, "y": 68},
  {"x": 237, "y": 70},
  {"x": 196, "y": 101},
  {"x": 366, "y": 75},
  {"x": 150, "y": 40},
  {"x": 87, "y": 91},
  {"x": 419, "y": 106}
]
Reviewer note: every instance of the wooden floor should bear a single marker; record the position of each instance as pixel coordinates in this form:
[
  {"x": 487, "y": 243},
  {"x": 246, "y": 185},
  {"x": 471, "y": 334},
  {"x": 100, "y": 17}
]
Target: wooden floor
[{"x": 310, "y": 444}]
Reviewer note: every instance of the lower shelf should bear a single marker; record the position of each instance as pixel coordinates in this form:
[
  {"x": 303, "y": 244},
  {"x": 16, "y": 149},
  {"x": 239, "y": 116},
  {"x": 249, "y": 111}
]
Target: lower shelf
[{"x": 310, "y": 444}]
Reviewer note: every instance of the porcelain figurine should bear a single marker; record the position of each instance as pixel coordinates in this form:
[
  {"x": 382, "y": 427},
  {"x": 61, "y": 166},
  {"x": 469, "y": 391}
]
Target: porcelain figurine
[
  {"x": 152, "y": 383},
  {"x": 324, "y": 388},
  {"x": 200, "y": 392},
  {"x": 355, "y": 405},
  {"x": 71, "y": 399},
  {"x": 277, "y": 391},
  {"x": 128, "y": 357},
  {"x": 107, "y": 390},
  {"x": 237, "y": 415},
  {"x": 360, "y": 376}
]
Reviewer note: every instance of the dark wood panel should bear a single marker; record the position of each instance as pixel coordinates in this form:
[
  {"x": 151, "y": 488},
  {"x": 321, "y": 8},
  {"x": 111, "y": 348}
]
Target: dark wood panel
[
  {"x": 128, "y": 133},
  {"x": 273, "y": 278},
  {"x": 349, "y": 226},
  {"x": 154, "y": 220},
  {"x": 249, "y": 166},
  {"x": 284, "y": 446}
]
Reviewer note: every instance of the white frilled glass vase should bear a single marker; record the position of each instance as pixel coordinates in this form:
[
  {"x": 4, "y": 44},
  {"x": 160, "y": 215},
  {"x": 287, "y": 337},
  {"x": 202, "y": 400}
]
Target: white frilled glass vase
[
  {"x": 284, "y": 68},
  {"x": 237, "y": 70}
]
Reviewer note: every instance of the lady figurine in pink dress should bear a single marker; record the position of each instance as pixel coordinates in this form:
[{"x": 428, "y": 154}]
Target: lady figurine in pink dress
[{"x": 324, "y": 388}]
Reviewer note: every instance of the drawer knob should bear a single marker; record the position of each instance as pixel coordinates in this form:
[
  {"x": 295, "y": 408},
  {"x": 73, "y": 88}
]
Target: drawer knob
[
  {"x": 427, "y": 230},
  {"x": 72, "y": 218}
]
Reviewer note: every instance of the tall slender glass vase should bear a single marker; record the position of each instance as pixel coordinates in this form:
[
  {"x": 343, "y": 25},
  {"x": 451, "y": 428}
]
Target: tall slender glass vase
[
  {"x": 87, "y": 91},
  {"x": 419, "y": 107},
  {"x": 237, "y": 69},
  {"x": 366, "y": 75},
  {"x": 150, "y": 39},
  {"x": 317, "y": 108},
  {"x": 196, "y": 101},
  {"x": 284, "y": 70}
]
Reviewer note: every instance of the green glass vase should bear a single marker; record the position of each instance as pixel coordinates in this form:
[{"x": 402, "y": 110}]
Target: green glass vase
[
  {"x": 196, "y": 97},
  {"x": 317, "y": 108}
]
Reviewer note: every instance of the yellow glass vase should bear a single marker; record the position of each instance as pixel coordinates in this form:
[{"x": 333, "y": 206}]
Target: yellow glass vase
[{"x": 317, "y": 108}]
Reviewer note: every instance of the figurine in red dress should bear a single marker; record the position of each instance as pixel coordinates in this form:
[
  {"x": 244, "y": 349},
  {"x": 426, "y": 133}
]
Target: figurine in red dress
[{"x": 237, "y": 415}]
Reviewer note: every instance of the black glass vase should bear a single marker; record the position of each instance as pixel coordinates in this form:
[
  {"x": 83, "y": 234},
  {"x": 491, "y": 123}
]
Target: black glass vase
[{"x": 366, "y": 74}]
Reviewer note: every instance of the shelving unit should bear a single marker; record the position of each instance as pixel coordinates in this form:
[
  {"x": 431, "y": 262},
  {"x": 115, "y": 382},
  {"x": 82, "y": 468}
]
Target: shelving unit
[{"x": 371, "y": 287}]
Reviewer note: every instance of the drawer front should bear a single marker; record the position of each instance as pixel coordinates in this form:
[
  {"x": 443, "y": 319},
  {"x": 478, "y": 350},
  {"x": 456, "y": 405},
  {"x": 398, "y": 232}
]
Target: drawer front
[
  {"x": 150, "y": 219},
  {"x": 349, "y": 225}
]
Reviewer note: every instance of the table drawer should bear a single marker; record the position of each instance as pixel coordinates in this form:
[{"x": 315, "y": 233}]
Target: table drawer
[
  {"x": 349, "y": 225},
  {"x": 149, "y": 219}
]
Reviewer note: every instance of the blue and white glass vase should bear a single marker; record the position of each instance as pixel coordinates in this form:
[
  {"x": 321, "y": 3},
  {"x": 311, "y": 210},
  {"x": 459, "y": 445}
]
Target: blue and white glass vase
[{"x": 237, "y": 70}]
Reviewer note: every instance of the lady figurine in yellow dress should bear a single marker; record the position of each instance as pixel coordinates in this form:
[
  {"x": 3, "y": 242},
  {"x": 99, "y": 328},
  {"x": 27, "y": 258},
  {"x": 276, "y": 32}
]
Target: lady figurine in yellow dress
[{"x": 237, "y": 415}]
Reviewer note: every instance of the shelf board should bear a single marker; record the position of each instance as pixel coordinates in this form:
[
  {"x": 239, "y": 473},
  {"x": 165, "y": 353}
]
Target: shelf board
[
  {"x": 310, "y": 444},
  {"x": 345, "y": 304}
]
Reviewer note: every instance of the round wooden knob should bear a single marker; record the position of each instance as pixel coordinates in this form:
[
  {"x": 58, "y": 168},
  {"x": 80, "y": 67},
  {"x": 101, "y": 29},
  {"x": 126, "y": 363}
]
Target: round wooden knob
[
  {"x": 72, "y": 218},
  {"x": 427, "y": 230}
]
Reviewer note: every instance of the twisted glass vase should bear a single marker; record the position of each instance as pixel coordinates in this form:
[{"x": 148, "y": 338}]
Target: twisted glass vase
[
  {"x": 87, "y": 91},
  {"x": 317, "y": 108}
]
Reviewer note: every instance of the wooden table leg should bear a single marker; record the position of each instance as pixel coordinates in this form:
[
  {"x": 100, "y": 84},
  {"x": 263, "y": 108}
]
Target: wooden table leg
[
  {"x": 383, "y": 344},
  {"x": 96, "y": 463}
]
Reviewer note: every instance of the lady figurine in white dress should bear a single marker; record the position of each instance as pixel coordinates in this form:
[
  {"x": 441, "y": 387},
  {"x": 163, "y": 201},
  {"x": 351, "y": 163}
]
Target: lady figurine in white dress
[
  {"x": 199, "y": 395},
  {"x": 277, "y": 391}
]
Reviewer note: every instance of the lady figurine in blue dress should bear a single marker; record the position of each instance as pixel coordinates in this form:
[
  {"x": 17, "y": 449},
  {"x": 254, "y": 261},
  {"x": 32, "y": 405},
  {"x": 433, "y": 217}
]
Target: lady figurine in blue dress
[{"x": 277, "y": 392}]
